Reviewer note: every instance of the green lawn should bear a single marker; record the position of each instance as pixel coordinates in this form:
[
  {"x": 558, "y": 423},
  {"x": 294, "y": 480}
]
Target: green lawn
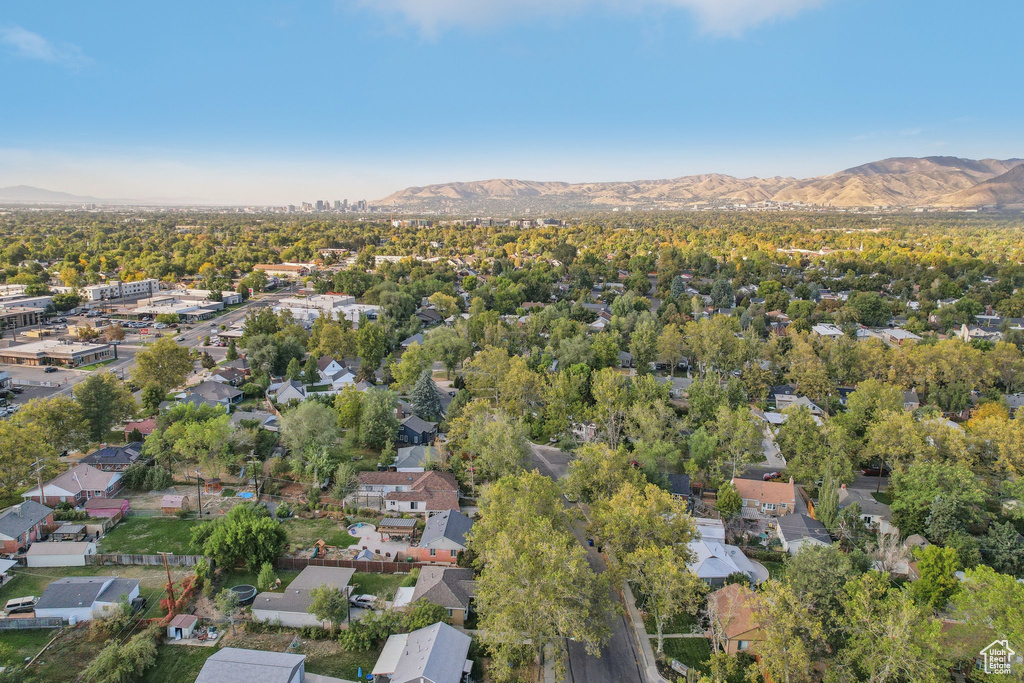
[
  {"x": 681, "y": 623},
  {"x": 883, "y": 497},
  {"x": 241, "y": 577},
  {"x": 21, "y": 644},
  {"x": 776, "y": 570},
  {"x": 177, "y": 663},
  {"x": 303, "y": 533},
  {"x": 149, "y": 535},
  {"x": 327, "y": 658},
  {"x": 93, "y": 366},
  {"x": 693, "y": 652},
  {"x": 381, "y": 585}
]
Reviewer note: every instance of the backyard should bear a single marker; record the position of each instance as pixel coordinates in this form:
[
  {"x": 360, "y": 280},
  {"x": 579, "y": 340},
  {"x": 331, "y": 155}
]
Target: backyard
[
  {"x": 303, "y": 533},
  {"x": 177, "y": 663},
  {"x": 693, "y": 652},
  {"x": 381, "y": 585},
  {"x": 150, "y": 535},
  {"x": 35, "y": 581}
]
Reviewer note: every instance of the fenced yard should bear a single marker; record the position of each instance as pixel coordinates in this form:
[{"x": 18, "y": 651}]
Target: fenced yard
[{"x": 150, "y": 535}]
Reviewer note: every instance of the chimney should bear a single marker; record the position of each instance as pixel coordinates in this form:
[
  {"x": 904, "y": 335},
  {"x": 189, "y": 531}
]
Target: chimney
[
  {"x": 791, "y": 480},
  {"x": 842, "y": 487}
]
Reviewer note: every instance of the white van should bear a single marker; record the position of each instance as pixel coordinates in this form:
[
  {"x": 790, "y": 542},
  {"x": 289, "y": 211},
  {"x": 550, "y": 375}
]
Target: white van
[{"x": 21, "y": 605}]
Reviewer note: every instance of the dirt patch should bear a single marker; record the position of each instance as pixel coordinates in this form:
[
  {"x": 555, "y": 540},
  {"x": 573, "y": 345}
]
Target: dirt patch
[{"x": 272, "y": 642}]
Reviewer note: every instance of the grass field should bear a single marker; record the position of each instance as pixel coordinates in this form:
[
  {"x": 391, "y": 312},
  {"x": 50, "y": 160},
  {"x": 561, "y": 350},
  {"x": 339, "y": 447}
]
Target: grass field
[
  {"x": 176, "y": 663},
  {"x": 381, "y": 585},
  {"x": 303, "y": 533},
  {"x": 776, "y": 570},
  {"x": 19, "y": 645},
  {"x": 327, "y": 658},
  {"x": 681, "y": 623},
  {"x": 149, "y": 535},
  {"x": 241, "y": 577}
]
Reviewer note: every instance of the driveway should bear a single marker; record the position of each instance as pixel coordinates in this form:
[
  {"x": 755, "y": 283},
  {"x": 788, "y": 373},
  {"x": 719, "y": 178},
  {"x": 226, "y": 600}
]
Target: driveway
[{"x": 619, "y": 660}]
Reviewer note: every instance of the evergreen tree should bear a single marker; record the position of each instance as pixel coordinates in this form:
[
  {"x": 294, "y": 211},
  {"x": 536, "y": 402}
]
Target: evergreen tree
[
  {"x": 311, "y": 372},
  {"x": 827, "y": 510},
  {"x": 294, "y": 370},
  {"x": 232, "y": 351},
  {"x": 426, "y": 398}
]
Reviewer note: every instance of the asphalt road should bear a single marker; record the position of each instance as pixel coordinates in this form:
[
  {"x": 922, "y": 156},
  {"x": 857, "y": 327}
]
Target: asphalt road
[{"x": 619, "y": 660}]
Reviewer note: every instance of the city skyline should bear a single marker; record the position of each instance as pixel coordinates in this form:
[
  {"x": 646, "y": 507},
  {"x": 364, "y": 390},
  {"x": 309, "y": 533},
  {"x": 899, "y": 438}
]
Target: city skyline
[{"x": 288, "y": 102}]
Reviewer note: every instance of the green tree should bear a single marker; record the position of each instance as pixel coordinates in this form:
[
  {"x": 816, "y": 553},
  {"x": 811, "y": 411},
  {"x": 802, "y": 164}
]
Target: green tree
[
  {"x": 913, "y": 492},
  {"x": 739, "y": 436},
  {"x": 670, "y": 347},
  {"x": 266, "y": 579},
  {"x": 377, "y": 421},
  {"x": 349, "y": 406},
  {"x": 817, "y": 575},
  {"x": 164, "y": 363},
  {"x": 232, "y": 352},
  {"x": 329, "y": 604},
  {"x": 643, "y": 344},
  {"x": 938, "y": 583},
  {"x": 246, "y": 535},
  {"x": 792, "y": 634},
  {"x": 60, "y": 419},
  {"x": 597, "y": 472},
  {"x": 104, "y": 401},
  {"x": 449, "y": 346},
  {"x": 426, "y": 397},
  {"x": 423, "y": 613},
  {"x": 227, "y": 602},
  {"x": 415, "y": 359},
  {"x": 120, "y": 662},
  {"x": 667, "y": 586},
  {"x": 152, "y": 396},
  {"x": 311, "y": 371},
  {"x": 294, "y": 370},
  {"x": 372, "y": 342},
  {"x": 498, "y": 445},
  {"x": 1003, "y": 550},
  {"x": 610, "y": 392},
  {"x": 728, "y": 502},
  {"x": 633, "y": 517}
]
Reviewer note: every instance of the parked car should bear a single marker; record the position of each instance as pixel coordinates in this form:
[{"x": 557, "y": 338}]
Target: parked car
[
  {"x": 364, "y": 601},
  {"x": 875, "y": 470},
  {"x": 21, "y": 605},
  {"x": 769, "y": 476},
  {"x": 50, "y": 368}
]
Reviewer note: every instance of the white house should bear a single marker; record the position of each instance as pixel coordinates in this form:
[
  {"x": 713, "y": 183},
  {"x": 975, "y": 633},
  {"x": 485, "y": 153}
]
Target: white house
[
  {"x": 799, "y": 530},
  {"x": 714, "y": 561},
  {"x": 291, "y": 607},
  {"x": 435, "y": 654},
  {"x": 85, "y": 597},
  {"x": 232, "y": 664},
  {"x": 59, "y": 553}
]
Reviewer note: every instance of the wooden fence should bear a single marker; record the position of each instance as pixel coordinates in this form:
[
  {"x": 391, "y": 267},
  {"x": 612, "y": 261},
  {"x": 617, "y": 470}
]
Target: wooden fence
[
  {"x": 35, "y": 622},
  {"x": 370, "y": 566},
  {"x": 144, "y": 560}
]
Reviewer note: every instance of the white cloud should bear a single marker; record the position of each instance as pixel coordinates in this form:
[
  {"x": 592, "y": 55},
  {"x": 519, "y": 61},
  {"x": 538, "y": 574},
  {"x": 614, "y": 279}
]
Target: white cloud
[
  {"x": 716, "y": 17},
  {"x": 29, "y": 45}
]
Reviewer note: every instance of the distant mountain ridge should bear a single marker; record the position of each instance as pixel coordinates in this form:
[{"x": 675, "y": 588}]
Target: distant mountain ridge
[
  {"x": 897, "y": 181},
  {"x": 37, "y": 195}
]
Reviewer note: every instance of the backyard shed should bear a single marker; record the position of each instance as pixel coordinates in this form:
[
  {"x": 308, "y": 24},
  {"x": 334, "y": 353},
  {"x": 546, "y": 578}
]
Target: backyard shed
[
  {"x": 59, "y": 553},
  {"x": 172, "y": 504},
  {"x": 182, "y": 626}
]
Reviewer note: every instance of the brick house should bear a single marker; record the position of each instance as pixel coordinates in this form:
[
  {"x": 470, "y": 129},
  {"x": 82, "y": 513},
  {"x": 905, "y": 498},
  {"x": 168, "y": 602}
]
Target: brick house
[
  {"x": 766, "y": 498},
  {"x": 443, "y": 538},
  {"x": 430, "y": 492},
  {"x": 22, "y": 525},
  {"x": 76, "y": 486}
]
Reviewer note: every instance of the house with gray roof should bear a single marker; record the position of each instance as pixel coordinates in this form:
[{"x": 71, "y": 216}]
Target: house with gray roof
[
  {"x": 876, "y": 515},
  {"x": 23, "y": 524},
  {"x": 450, "y": 587},
  {"x": 415, "y": 458},
  {"x": 444, "y": 537},
  {"x": 216, "y": 392},
  {"x": 416, "y": 430},
  {"x": 291, "y": 608},
  {"x": 435, "y": 654},
  {"x": 76, "y": 486},
  {"x": 114, "y": 458},
  {"x": 85, "y": 597},
  {"x": 268, "y": 421},
  {"x": 799, "y": 530},
  {"x": 237, "y": 665}
]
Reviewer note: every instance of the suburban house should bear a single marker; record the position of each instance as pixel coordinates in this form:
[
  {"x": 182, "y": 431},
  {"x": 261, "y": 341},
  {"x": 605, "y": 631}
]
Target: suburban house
[
  {"x": 435, "y": 654},
  {"x": 710, "y": 529},
  {"x": 77, "y": 485},
  {"x": 143, "y": 427},
  {"x": 416, "y": 430},
  {"x": 107, "y": 507},
  {"x": 59, "y": 553},
  {"x": 232, "y": 376},
  {"x": 415, "y": 458},
  {"x": 291, "y": 608},
  {"x": 911, "y": 401},
  {"x": 444, "y": 537},
  {"x": 734, "y": 624},
  {"x": 876, "y": 515},
  {"x": 765, "y": 498},
  {"x": 85, "y": 597},
  {"x": 714, "y": 561},
  {"x": 679, "y": 487},
  {"x": 796, "y": 531},
  {"x": 430, "y": 492},
  {"x": 215, "y": 393},
  {"x": 22, "y": 525},
  {"x": 235, "y": 665},
  {"x": 286, "y": 391},
  {"x": 334, "y": 373},
  {"x": 449, "y": 587},
  {"x": 268, "y": 421},
  {"x": 114, "y": 458}
]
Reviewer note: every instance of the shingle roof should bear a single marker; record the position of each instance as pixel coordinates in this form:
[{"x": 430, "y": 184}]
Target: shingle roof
[
  {"x": 445, "y": 586},
  {"x": 733, "y": 605},
  {"x": 114, "y": 455},
  {"x": 81, "y": 591},
  {"x": 796, "y": 527},
  {"x": 438, "y": 490},
  {"x": 296, "y": 598},
  {"x": 215, "y": 391},
  {"x": 80, "y": 478},
  {"x": 450, "y": 524},
  {"x": 436, "y": 653},
  {"x": 777, "y": 492},
  {"x": 418, "y": 424},
  {"x": 17, "y": 519},
  {"x": 236, "y": 665}
]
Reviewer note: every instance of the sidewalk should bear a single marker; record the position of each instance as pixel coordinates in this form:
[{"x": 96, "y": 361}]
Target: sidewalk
[{"x": 637, "y": 622}]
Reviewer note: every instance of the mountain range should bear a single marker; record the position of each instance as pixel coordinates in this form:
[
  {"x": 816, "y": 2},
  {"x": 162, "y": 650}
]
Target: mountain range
[{"x": 897, "y": 181}]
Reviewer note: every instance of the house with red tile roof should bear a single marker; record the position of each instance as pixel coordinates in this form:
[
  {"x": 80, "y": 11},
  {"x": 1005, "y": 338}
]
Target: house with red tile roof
[{"x": 430, "y": 492}]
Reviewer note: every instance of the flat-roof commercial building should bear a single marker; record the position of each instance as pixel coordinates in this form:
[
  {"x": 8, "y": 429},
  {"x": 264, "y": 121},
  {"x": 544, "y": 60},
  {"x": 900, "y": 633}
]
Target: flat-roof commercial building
[
  {"x": 55, "y": 352},
  {"x": 14, "y": 317},
  {"x": 116, "y": 289},
  {"x": 188, "y": 310},
  {"x": 228, "y": 298}
]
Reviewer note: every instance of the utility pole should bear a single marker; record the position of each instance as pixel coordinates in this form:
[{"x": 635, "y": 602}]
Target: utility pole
[
  {"x": 38, "y": 464},
  {"x": 170, "y": 585},
  {"x": 255, "y": 465},
  {"x": 199, "y": 493}
]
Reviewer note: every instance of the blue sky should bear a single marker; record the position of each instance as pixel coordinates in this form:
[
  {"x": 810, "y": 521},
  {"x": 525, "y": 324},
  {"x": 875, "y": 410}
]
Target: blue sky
[{"x": 276, "y": 102}]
